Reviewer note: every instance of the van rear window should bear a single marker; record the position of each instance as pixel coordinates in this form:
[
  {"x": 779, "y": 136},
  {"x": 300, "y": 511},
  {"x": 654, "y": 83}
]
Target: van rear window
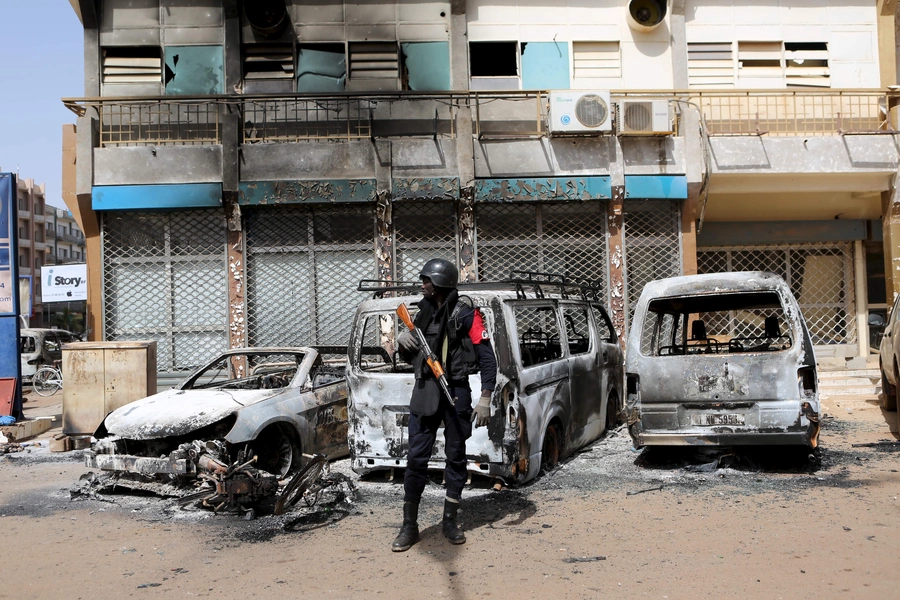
[
  {"x": 379, "y": 348},
  {"x": 716, "y": 324}
]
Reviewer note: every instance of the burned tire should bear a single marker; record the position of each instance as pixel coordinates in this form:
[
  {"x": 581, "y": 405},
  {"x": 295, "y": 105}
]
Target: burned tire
[
  {"x": 888, "y": 392},
  {"x": 277, "y": 451},
  {"x": 299, "y": 484},
  {"x": 550, "y": 449}
]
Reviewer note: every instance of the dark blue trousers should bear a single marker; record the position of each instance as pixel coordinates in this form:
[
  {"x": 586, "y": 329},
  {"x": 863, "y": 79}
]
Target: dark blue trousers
[{"x": 422, "y": 435}]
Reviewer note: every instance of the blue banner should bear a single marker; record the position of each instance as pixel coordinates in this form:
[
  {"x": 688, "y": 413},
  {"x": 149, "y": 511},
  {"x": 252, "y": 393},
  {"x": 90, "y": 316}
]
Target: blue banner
[{"x": 9, "y": 290}]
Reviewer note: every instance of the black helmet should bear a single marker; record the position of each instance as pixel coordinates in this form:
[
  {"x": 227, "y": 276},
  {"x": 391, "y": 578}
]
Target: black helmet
[{"x": 442, "y": 273}]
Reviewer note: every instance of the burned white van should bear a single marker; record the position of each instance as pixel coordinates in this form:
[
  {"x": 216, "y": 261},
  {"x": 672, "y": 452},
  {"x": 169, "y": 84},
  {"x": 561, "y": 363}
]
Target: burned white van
[
  {"x": 559, "y": 377},
  {"x": 720, "y": 359}
]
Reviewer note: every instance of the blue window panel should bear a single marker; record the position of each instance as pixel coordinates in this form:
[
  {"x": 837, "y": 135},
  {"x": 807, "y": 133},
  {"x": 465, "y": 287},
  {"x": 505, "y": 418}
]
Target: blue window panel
[
  {"x": 195, "y": 70},
  {"x": 163, "y": 196},
  {"x": 543, "y": 189},
  {"x": 427, "y": 65},
  {"x": 254, "y": 193},
  {"x": 671, "y": 187},
  {"x": 545, "y": 66},
  {"x": 321, "y": 69}
]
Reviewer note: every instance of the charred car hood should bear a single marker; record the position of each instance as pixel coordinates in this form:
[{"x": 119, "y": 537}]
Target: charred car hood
[{"x": 178, "y": 412}]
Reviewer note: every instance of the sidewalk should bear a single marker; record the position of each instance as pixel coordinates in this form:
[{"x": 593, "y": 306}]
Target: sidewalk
[{"x": 39, "y": 408}]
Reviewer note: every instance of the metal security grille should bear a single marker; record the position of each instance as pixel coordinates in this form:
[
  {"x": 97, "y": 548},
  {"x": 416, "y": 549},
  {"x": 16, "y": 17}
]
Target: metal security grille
[
  {"x": 566, "y": 238},
  {"x": 652, "y": 246},
  {"x": 164, "y": 280},
  {"x": 820, "y": 276},
  {"x": 303, "y": 266},
  {"x": 422, "y": 231}
]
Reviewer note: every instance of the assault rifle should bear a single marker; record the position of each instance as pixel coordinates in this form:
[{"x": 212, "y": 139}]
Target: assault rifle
[{"x": 430, "y": 356}]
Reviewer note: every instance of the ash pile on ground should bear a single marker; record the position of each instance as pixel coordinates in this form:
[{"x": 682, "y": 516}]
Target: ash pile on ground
[{"x": 610, "y": 464}]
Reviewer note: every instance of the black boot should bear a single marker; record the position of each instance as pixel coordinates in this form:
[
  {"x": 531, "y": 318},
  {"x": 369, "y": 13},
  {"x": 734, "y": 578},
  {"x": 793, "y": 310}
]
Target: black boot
[
  {"x": 448, "y": 525},
  {"x": 409, "y": 531}
]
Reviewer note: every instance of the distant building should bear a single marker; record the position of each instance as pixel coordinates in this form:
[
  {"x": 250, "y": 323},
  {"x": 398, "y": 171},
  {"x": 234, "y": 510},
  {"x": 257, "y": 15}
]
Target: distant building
[
  {"x": 65, "y": 241},
  {"x": 47, "y": 236},
  {"x": 32, "y": 242}
]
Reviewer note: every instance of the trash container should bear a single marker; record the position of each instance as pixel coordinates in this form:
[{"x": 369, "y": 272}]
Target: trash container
[{"x": 99, "y": 377}]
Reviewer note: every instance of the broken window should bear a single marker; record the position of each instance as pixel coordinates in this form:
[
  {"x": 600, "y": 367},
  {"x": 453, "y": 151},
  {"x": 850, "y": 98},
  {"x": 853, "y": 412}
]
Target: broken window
[
  {"x": 321, "y": 68},
  {"x": 426, "y": 65},
  {"x": 493, "y": 59},
  {"x": 578, "y": 332},
  {"x": 379, "y": 335},
  {"x": 134, "y": 64},
  {"x": 710, "y": 64},
  {"x": 759, "y": 63},
  {"x": 267, "y": 65},
  {"x": 806, "y": 64},
  {"x": 194, "y": 70},
  {"x": 597, "y": 60},
  {"x": 374, "y": 60},
  {"x": 538, "y": 334},
  {"x": 717, "y": 324}
]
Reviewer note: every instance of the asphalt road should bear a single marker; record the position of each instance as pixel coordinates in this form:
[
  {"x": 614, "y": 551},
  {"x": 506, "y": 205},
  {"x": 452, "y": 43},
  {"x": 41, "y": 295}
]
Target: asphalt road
[{"x": 609, "y": 521}]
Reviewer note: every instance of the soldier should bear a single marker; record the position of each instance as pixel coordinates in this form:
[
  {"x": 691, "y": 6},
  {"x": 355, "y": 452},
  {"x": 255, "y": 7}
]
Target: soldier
[{"x": 456, "y": 333}]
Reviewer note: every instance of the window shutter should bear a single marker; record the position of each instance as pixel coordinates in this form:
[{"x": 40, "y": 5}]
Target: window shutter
[
  {"x": 374, "y": 60},
  {"x": 710, "y": 64},
  {"x": 141, "y": 64}
]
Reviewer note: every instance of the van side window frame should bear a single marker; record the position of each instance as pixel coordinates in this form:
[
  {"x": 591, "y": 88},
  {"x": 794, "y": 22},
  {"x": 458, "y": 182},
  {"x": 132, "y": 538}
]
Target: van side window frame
[{"x": 534, "y": 344}]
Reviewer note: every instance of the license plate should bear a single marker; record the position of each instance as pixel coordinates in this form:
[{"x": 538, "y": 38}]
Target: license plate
[{"x": 706, "y": 419}]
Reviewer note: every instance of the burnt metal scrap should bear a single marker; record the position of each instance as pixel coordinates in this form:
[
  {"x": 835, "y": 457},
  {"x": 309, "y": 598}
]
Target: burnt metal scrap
[{"x": 233, "y": 433}]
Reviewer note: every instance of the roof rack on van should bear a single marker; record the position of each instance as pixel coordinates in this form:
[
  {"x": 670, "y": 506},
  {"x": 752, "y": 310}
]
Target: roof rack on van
[
  {"x": 533, "y": 281},
  {"x": 555, "y": 281},
  {"x": 381, "y": 286}
]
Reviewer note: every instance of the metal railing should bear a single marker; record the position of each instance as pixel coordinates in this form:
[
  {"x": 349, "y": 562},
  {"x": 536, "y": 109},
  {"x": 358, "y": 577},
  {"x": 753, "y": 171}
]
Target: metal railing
[
  {"x": 794, "y": 112},
  {"x": 286, "y": 118}
]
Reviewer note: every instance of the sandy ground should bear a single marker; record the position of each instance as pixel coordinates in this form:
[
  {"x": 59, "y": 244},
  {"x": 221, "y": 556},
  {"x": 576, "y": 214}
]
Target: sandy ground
[{"x": 608, "y": 522}]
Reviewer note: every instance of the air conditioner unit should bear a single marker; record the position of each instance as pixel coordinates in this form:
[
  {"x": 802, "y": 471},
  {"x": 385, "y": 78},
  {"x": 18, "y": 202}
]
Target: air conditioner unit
[
  {"x": 644, "y": 117},
  {"x": 579, "y": 112}
]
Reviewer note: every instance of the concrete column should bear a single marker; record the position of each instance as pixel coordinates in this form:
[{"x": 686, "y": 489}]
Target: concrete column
[
  {"x": 689, "y": 218},
  {"x": 465, "y": 142},
  {"x": 890, "y": 211},
  {"x": 384, "y": 238},
  {"x": 616, "y": 234},
  {"x": 615, "y": 228},
  {"x": 468, "y": 267},
  {"x": 862, "y": 298},
  {"x": 78, "y": 144},
  {"x": 90, "y": 18},
  {"x": 236, "y": 272},
  {"x": 679, "y": 45}
]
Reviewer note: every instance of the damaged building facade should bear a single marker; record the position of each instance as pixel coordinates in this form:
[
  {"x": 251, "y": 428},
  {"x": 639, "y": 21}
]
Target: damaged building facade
[{"x": 237, "y": 167}]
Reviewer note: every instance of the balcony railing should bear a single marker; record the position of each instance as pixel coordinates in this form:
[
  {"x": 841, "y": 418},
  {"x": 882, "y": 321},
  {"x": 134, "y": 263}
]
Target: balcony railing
[{"x": 288, "y": 118}]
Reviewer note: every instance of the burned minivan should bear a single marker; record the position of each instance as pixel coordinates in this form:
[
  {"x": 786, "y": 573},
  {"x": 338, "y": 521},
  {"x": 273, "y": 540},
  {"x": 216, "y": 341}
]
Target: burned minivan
[
  {"x": 720, "y": 359},
  {"x": 559, "y": 378}
]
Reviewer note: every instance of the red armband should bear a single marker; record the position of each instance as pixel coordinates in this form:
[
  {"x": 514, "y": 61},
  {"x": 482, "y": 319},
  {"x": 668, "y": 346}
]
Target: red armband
[{"x": 477, "y": 332}]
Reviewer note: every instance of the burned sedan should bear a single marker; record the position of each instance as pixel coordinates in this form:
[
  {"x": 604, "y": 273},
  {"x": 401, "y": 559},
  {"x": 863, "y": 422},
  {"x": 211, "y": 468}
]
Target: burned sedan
[
  {"x": 243, "y": 422},
  {"x": 720, "y": 359}
]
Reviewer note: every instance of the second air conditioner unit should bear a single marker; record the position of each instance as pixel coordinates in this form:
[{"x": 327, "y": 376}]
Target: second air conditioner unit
[
  {"x": 580, "y": 112},
  {"x": 644, "y": 117}
]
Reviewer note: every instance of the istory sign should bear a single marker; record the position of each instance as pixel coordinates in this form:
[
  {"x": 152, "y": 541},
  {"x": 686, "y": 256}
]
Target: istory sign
[{"x": 64, "y": 283}]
